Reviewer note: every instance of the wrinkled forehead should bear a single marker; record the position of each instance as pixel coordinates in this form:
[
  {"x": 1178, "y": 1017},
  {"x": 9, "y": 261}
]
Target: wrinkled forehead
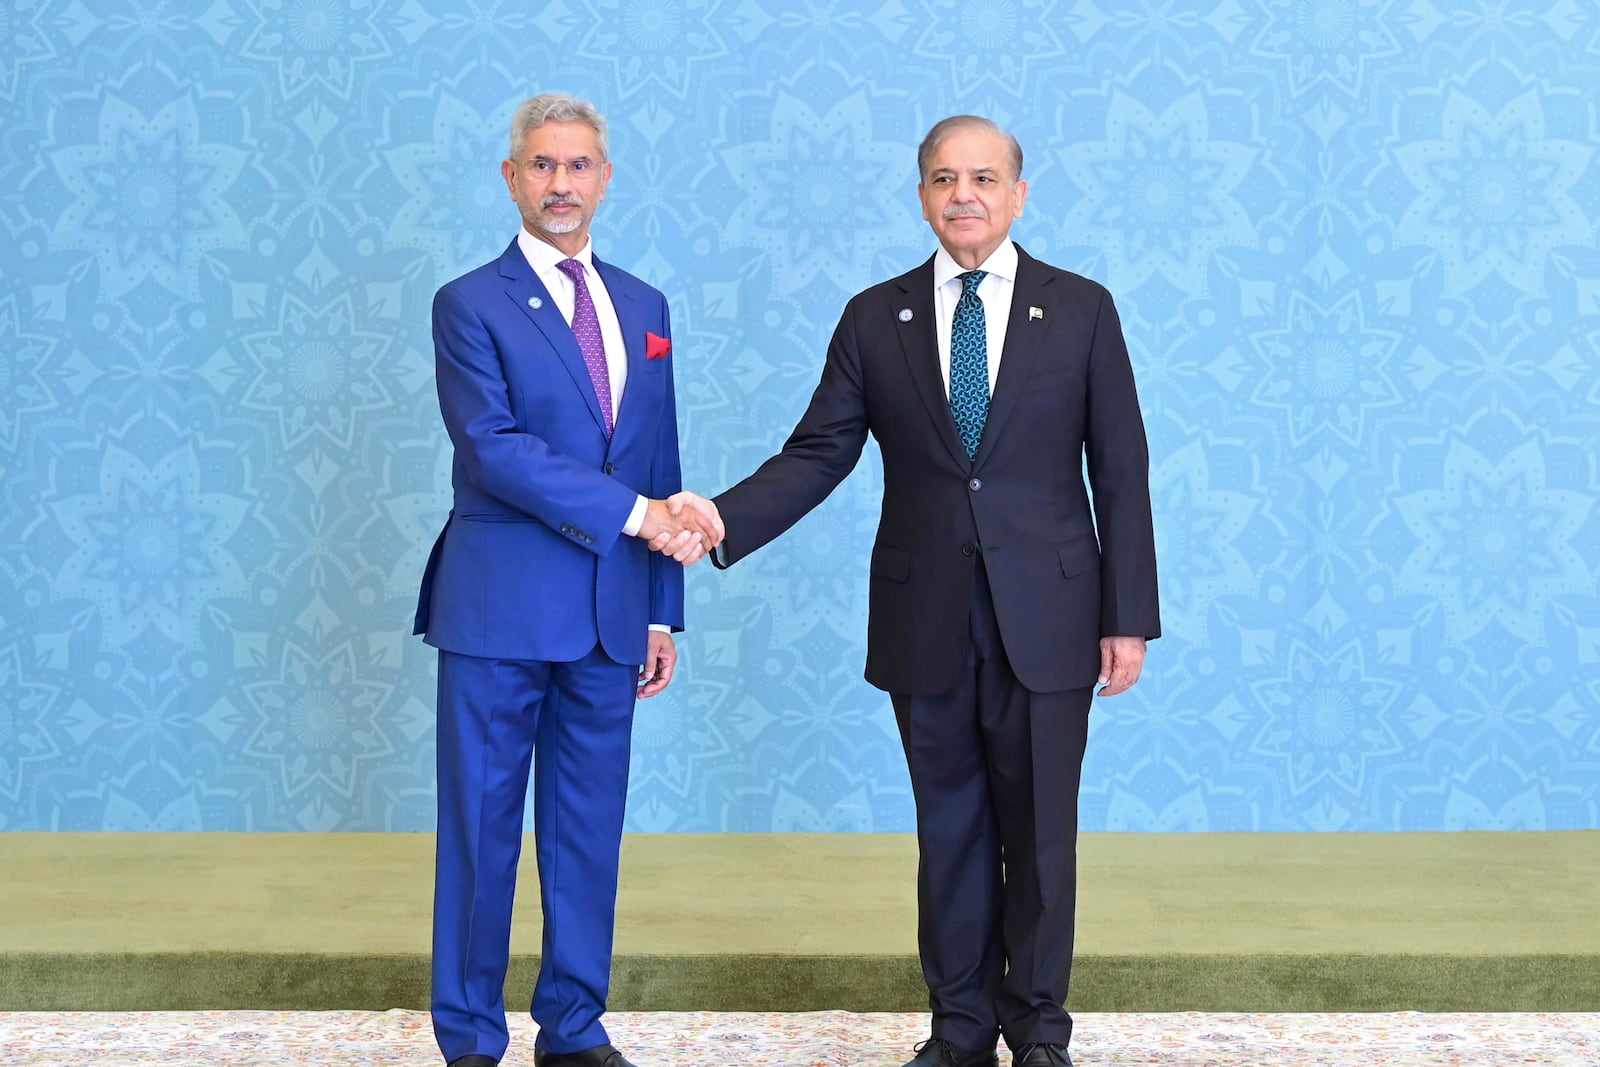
[
  {"x": 561, "y": 140},
  {"x": 971, "y": 152}
]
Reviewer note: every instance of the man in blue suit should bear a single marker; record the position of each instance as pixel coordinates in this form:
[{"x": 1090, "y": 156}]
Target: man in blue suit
[
  {"x": 1002, "y": 589},
  {"x": 549, "y": 610}
]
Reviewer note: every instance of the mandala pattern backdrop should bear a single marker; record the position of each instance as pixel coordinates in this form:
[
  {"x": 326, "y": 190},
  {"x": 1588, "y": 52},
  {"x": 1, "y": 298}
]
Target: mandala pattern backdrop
[{"x": 1354, "y": 244}]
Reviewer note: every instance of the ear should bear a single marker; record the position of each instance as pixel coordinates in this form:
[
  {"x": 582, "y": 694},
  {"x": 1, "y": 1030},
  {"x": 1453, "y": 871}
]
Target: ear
[
  {"x": 922, "y": 195},
  {"x": 508, "y": 171},
  {"x": 1019, "y": 196},
  {"x": 605, "y": 180}
]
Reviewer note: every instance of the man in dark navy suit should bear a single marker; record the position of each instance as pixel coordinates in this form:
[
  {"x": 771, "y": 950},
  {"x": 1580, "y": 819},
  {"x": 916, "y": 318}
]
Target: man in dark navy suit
[
  {"x": 1001, "y": 591},
  {"x": 549, "y": 610}
]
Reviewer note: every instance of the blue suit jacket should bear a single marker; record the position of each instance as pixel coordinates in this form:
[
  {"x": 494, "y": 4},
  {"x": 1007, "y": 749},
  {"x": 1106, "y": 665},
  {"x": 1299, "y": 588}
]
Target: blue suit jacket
[{"x": 532, "y": 563}]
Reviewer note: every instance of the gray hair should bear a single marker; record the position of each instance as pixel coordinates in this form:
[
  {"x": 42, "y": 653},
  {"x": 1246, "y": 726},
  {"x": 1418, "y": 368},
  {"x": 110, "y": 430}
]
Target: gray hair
[
  {"x": 555, "y": 107},
  {"x": 945, "y": 127}
]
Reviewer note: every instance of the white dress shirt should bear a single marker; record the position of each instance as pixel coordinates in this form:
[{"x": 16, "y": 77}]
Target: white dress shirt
[
  {"x": 995, "y": 292},
  {"x": 543, "y": 257}
]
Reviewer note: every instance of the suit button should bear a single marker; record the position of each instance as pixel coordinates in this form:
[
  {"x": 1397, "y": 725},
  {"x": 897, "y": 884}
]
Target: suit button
[
  {"x": 610, "y": 468},
  {"x": 967, "y": 549},
  {"x": 975, "y": 484}
]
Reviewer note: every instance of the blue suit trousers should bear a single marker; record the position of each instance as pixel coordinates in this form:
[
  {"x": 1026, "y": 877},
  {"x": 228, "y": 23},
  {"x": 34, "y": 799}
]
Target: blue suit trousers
[{"x": 572, "y": 722}]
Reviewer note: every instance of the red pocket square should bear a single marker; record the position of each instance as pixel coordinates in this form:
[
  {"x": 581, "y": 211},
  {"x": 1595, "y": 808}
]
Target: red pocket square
[{"x": 656, "y": 347}]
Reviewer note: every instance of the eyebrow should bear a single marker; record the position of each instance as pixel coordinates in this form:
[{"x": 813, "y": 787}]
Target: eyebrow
[{"x": 970, "y": 170}]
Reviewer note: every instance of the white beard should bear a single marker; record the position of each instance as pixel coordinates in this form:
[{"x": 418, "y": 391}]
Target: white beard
[{"x": 559, "y": 225}]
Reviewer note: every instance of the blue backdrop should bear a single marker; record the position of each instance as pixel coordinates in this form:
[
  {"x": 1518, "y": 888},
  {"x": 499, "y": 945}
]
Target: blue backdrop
[{"x": 1354, "y": 247}]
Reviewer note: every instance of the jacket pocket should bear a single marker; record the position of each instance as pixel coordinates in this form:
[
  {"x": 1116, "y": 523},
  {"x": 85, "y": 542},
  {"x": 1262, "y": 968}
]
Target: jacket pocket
[
  {"x": 1079, "y": 555},
  {"x": 494, "y": 516},
  {"x": 890, "y": 563}
]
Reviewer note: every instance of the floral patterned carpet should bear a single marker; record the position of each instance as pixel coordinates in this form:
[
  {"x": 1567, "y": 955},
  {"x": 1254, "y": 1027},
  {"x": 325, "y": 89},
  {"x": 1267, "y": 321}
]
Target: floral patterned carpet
[{"x": 811, "y": 1039}]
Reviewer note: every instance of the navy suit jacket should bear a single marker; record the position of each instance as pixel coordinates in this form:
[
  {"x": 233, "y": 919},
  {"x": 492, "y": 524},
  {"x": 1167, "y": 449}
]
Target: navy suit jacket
[
  {"x": 532, "y": 563},
  {"x": 1064, "y": 570}
]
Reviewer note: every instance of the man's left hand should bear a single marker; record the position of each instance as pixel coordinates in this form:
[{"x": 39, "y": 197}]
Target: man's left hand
[
  {"x": 660, "y": 657},
  {"x": 1121, "y": 659}
]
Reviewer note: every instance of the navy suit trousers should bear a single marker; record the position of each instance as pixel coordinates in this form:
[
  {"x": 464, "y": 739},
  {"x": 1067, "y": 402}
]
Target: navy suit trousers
[{"x": 994, "y": 772}]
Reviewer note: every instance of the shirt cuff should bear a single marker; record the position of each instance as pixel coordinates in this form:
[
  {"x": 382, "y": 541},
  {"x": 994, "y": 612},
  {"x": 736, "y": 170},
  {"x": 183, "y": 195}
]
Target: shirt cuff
[
  {"x": 636, "y": 517},
  {"x": 661, "y": 628}
]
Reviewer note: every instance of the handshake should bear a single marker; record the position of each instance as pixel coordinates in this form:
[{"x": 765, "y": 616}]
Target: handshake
[{"x": 684, "y": 526}]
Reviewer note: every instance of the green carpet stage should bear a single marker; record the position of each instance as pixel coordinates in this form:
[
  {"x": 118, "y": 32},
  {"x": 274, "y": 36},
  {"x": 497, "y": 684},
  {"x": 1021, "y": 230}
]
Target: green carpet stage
[{"x": 791, "y": 922}]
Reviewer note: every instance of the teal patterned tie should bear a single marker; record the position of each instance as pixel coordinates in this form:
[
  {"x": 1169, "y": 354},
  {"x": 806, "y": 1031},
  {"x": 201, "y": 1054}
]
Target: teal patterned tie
[{"x": 969, "y": 363}]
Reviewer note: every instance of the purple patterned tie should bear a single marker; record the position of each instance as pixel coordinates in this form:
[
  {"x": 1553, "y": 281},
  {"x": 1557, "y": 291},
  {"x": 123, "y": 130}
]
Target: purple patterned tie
[{"x": 586, "y": 327}]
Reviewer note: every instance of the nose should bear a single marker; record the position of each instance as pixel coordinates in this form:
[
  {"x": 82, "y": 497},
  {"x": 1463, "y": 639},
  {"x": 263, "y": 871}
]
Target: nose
[{"x": 561, "y": 179}]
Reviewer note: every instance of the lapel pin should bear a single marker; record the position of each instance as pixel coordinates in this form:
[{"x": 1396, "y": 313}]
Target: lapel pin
[
  {"x": 535, "y": 303},
  {"x": 1035, "y": 313},
  {"x": 905, "y": 314}
]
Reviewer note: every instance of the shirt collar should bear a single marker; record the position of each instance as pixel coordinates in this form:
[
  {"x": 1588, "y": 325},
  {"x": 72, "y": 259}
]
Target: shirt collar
[
  {"x": 1002, "y": 261},
  {"x": 543, "y": 256}
]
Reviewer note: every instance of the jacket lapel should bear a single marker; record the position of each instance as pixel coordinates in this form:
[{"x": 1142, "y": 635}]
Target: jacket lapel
[
  {"x": 919, "y": 342},
  {"x": 524, "y": 289},
  {"x": 1024, "y": 333}
]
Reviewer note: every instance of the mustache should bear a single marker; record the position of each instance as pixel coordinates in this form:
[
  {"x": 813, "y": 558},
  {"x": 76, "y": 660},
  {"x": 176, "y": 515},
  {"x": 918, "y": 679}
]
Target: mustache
[
  {"x": 964, "y": 211},
  {"x": 561, "y": 198}
]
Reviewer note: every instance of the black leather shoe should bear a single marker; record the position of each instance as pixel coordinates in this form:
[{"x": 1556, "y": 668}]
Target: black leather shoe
[
  {"x": 475, "y": 1060},
  {"x": 1041, "y": 1056},
  {"x": 599, "y": 1056},
  {"x": 937, "y": 1052}
]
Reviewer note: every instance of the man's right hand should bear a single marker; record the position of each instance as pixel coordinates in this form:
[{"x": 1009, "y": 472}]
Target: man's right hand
[{"x": 684, "y": 526}]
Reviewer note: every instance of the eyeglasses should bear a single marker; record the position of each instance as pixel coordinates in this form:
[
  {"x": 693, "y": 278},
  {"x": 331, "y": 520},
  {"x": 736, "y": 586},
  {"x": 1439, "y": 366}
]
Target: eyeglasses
[{"x": 580, "y": 171}]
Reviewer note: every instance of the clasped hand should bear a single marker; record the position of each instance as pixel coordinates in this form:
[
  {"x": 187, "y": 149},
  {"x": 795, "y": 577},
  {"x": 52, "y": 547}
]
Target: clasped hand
[{"x": 684, "y": 526}]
